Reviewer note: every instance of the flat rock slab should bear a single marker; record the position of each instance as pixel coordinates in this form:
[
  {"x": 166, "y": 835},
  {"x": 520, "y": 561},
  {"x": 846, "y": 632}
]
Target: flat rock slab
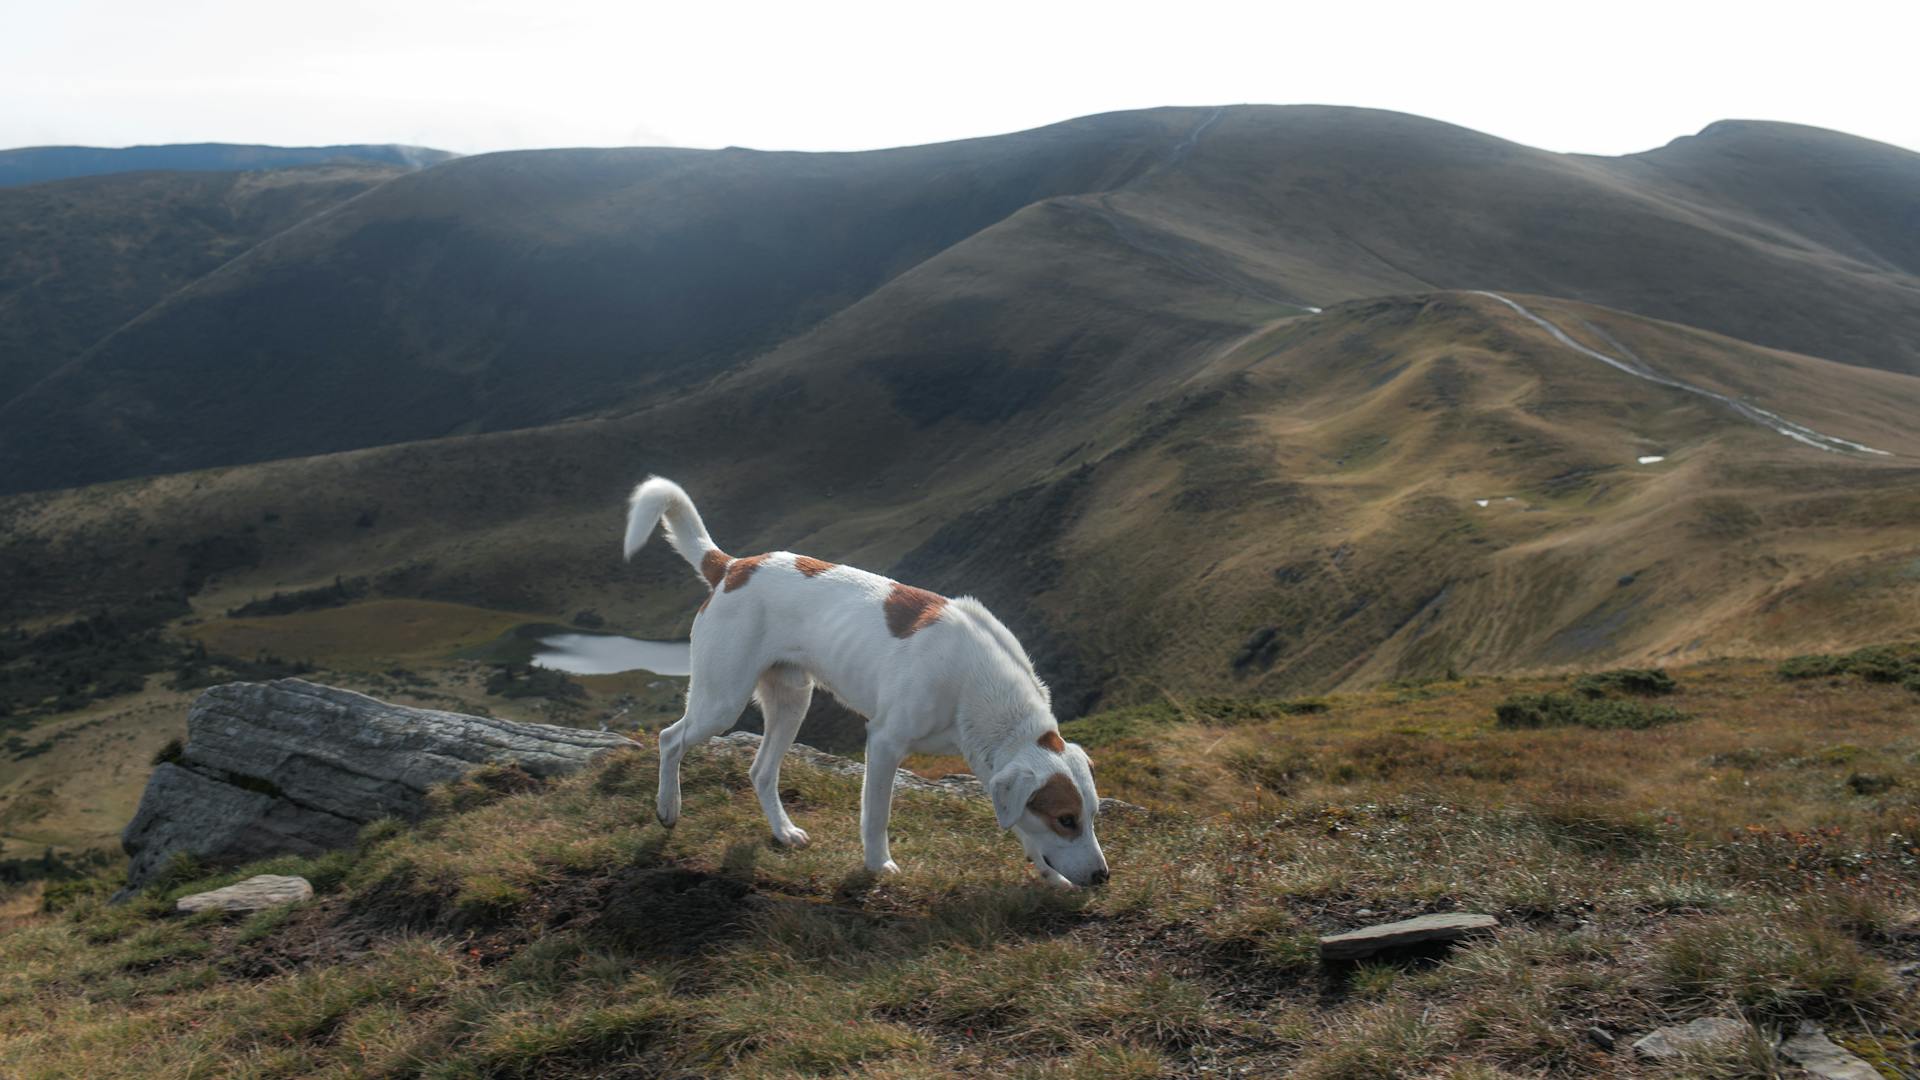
[
  {"x": 254, "y": 894},
  {"x": 1706, "y": 1033},
  {"x": 1813, "y": 1051},
  {"x": 293, "y": 767},
  {"x": 1426, "y": 929}
]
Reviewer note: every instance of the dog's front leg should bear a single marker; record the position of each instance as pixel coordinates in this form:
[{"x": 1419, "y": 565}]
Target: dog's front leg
[{"x": 876, "y": 802}]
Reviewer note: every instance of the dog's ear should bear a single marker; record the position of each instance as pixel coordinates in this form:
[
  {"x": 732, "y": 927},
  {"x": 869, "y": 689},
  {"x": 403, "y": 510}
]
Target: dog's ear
[{"x": 1011, "y": 788}]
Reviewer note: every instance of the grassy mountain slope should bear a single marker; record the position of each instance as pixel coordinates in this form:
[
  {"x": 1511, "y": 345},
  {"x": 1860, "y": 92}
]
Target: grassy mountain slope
[
  {"x": 1768, "y": 233},
  {"x": 83, "y": 258},
  {"x": 1142, "y": 513},
  {"x": 515, "y": 289},
  {"x": 1747, "y": 861},
  {"x": 39, "y": 164}
]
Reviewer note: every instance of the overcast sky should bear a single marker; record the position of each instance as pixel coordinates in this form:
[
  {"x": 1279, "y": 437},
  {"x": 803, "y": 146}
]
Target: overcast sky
[{"x": 477, "y": 75}]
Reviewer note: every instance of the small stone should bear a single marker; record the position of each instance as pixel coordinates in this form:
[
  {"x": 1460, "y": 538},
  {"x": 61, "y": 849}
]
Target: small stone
[
  {"x": 254, "y": 894},
  {"x": 1667, "y": 1043},
  {"x": 1601, "y": 1038},
  {"x": 1813, "y": 1051},
  {"x": 1425, "y": 929}
]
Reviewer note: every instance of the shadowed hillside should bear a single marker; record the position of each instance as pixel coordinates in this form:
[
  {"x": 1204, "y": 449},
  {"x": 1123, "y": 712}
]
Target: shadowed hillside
[
  {"x": 512, "y": 290},
  {"x": 84, "y": 257}
]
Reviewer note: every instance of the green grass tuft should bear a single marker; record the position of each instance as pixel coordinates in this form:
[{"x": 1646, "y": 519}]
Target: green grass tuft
[{"x": 1550, "y": 710}]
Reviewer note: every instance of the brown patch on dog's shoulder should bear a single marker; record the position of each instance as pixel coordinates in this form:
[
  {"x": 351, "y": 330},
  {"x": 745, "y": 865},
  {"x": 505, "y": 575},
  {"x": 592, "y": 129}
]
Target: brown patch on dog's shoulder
[
  {"x": 811, "y": 566},
  {"x": 1051, "y": 740},
  {"x": 910, "y": 610},
  {"x": 739, "y": 570},
  {"x": 713, "y": 567},
  {"x": 1057, "y": 799}
]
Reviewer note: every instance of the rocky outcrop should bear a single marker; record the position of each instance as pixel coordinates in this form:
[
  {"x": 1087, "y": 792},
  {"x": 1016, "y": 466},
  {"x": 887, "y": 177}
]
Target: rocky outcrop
[{"x": 295, "y": 767}]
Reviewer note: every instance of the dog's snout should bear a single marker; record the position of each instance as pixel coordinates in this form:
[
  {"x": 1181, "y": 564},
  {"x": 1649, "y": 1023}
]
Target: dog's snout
[{"x": 1100, "y": 876}]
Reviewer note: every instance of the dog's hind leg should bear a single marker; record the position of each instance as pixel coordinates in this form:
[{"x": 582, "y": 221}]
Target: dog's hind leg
[
  {"x": 716, "y": 693},
  {"x": 784, "y": 693}
]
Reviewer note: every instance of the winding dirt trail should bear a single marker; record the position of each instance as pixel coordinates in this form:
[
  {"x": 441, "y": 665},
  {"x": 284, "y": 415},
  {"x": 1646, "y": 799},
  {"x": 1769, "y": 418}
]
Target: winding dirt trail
[{"x": 1778, "y": 423}]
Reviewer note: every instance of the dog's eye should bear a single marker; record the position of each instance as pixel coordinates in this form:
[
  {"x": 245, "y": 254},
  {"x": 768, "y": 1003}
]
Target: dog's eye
[{"x": 1068, "y": 821}]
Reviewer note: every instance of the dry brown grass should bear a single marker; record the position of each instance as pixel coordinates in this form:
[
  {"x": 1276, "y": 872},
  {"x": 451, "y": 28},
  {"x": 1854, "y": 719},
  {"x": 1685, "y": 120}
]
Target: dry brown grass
[{"x": 561, "y": 932}]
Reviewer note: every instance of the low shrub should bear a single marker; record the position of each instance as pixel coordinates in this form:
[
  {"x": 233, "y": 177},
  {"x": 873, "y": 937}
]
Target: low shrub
[
  {"x": 1568, "y": 710},
  {"x": 172, "y": 752},
  {"x": 515, "y": 681},
  {"x": 1646, "y": 682},
  {"x": 1878, "y": 664},
  {"x": 1875, "y": 663},
  {"x": 343, "y": 591},
  {"x": 1871, "y": 783},
  {"x": 1811, "y": 666},
  {"x": 198, "y": 669}
]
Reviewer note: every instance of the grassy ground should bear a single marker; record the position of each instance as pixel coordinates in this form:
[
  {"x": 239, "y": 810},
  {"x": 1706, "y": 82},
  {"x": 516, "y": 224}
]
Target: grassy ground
[
  {"x": 1754, "y": 858},
  {"x": 371, "y": 635}
]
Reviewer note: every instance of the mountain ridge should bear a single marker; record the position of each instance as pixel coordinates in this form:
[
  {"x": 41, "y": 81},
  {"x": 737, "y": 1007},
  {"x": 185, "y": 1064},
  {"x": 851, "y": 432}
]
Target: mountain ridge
[
  {"x": 521, "y": 288},
  {"x": 44, "y": 164}
]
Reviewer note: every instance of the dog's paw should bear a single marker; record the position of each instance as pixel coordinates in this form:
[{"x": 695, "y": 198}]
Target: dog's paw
[
  {"x": 792, "y": 836},
  {"x": 666, "y": 818},
  {"x": 885, "y": 868}
]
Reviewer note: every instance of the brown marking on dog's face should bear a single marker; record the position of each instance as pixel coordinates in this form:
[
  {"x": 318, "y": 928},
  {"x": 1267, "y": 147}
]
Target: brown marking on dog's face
[
  {"x": 910, "y": 610},
  {"x": 1051, "y": 740},
  {"x": 713, "y": 567},
  {"x": 811, "y": 566},
  {"x": 1058, "y": 803},
  {"x": 739, "y": 570}
]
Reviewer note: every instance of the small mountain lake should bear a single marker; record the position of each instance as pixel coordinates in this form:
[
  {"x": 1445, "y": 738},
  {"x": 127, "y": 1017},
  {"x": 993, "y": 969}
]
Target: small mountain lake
[{"x": 606, "y": 654}]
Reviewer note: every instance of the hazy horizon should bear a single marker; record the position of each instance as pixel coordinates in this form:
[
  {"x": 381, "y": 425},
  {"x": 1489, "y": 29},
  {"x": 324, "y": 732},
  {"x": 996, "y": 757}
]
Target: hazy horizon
[
  {"x": 983, "y": 134},
  {"x": 473, "y": 78}
]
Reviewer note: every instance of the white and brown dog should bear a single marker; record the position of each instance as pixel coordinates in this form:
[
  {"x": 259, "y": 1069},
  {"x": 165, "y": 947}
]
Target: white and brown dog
[{"x": 931, "y": 675}]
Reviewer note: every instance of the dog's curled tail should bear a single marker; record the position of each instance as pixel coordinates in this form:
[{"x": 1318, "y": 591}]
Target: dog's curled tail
[{"x": 658, "y": 497}]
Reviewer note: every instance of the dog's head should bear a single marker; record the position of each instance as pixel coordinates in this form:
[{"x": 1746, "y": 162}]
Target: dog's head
[{"x": 1045, "y": 795}]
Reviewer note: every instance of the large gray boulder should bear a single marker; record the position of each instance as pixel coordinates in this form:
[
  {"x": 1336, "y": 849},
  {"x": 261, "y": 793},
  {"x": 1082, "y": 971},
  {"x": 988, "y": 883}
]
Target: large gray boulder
[{"x": 295, "y": 767}]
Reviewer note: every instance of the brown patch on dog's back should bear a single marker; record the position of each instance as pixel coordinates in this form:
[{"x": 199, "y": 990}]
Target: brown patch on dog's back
[
  {"x": 910, "y": 610},
  {"x": 1051, "y": 740},
  {"x": 713, "y": 567},
  {"x": 739, "y": 570},
  {"x": 811, "y": 566},
  {"x": 1057, "y": 798}
]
